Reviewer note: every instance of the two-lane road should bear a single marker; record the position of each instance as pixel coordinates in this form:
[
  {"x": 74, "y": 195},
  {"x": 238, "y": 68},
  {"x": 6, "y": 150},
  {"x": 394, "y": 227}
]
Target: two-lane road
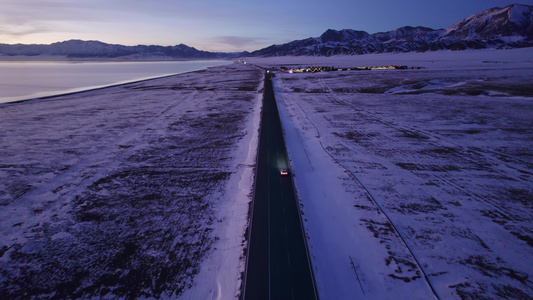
[{"x": 278, "y": 265}]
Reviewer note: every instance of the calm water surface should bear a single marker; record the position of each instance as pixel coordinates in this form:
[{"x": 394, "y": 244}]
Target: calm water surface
[{"x": 27, "y": 80}]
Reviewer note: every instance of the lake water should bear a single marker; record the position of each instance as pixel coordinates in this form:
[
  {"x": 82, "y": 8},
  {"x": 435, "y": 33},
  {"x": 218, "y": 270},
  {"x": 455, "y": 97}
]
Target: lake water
[{"x": 28, "y": 80}]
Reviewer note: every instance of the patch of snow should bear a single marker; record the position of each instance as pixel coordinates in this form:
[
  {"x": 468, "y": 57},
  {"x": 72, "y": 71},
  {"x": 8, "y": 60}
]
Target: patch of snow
[
  {"x": 220, "y": 275},
  {"x": 517, "y": 13}
]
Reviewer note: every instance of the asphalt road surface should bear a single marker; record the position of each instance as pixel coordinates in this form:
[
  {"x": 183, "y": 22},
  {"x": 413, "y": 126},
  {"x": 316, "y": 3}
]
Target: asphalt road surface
[{"x": 278, "y": 264}]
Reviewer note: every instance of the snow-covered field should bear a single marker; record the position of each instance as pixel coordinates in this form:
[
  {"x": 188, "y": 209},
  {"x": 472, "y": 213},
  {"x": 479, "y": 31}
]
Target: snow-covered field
[
  {"x": 134, "y": 191},
  {"x": 414, "y": 183}
]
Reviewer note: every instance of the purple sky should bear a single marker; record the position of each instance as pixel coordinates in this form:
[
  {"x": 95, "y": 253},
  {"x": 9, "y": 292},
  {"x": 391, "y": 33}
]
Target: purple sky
[{"x": 220, "y": 25}]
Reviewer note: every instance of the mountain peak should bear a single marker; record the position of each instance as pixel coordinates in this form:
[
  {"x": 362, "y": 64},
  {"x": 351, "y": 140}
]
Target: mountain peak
[
  {"x": 344, "y": 35},
  {"x": 521, "y": 14},
  {"x": 512, "y": 20}
]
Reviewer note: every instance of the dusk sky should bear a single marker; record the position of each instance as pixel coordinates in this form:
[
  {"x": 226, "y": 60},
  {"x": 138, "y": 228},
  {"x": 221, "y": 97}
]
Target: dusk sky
[{"x": 218, "y": 25}]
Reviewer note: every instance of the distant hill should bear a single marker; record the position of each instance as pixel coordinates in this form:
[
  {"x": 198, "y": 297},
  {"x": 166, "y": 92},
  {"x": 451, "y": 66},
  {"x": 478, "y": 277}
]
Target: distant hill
[
  {"x": 96, "y": 49},
  {"x": 508, "y": 27}
]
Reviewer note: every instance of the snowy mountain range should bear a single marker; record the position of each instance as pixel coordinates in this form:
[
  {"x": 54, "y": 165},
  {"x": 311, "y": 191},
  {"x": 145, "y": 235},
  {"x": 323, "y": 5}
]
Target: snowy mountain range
[
  {"x": 96, "y": 49},
  {"x": 508, "y": 27}
]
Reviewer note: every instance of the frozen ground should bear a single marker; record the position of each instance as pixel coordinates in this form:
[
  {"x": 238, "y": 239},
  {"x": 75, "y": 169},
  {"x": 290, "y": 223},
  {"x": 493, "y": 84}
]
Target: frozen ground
[
  {"x": 136, "y": 191},
  {"x": 415, "y": 182},
  {"x": 412, "y": 182}
]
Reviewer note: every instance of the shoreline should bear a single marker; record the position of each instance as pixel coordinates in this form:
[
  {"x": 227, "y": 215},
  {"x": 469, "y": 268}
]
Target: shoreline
[
  {"x": 74, "y": 91},
  {"x": 64, "y": 58},
  {"x": 85, "y": 90}
]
